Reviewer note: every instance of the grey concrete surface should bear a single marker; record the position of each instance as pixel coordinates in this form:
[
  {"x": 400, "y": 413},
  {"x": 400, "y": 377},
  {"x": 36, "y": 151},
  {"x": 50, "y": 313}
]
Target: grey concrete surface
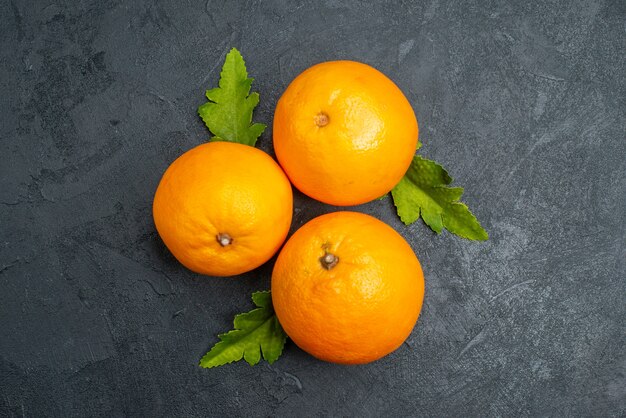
[{"x": 523, "y": 102}]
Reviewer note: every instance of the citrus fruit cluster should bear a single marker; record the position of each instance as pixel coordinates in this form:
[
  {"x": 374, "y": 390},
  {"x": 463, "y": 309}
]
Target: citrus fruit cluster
[{"x": 346, "y": 287}]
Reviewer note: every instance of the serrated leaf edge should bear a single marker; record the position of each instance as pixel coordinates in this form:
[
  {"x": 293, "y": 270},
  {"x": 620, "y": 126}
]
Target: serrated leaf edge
[
  {"x": 249, "y": 96},
  {"x": 442, "y": 214},
  {"x": 221, "y": 336}
]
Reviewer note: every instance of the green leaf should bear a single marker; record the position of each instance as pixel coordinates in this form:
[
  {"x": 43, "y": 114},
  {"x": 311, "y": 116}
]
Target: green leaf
[
  {"x": 256, "y": 332},
  {"x": 424, "y": 191},
  {"x": 228, "y": 113}
]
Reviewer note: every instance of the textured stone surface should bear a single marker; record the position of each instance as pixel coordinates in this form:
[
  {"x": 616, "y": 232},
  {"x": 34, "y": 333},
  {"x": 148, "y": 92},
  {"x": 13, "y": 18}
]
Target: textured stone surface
[{"x": 523, "y": 103}]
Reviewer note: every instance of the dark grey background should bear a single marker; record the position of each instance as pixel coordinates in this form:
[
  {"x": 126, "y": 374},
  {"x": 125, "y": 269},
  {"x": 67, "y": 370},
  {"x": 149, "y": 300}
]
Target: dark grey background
[{"x": 523, "y": 103}]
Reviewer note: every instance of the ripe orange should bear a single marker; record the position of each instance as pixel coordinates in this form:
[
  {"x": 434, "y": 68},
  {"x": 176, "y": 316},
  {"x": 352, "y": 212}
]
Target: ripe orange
[
  {"x": 223, "y": 208},
  {"x": 344, "y": 133},
  {"x": 347, "y": 288}
]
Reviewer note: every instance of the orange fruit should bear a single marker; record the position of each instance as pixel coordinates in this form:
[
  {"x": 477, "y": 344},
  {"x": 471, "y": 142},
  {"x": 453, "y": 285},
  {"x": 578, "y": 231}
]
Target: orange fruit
[
  {"x": 223, "y": 208},
  {"x": 347, "y": 288},
  {"x": 344, "y": 133}
]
